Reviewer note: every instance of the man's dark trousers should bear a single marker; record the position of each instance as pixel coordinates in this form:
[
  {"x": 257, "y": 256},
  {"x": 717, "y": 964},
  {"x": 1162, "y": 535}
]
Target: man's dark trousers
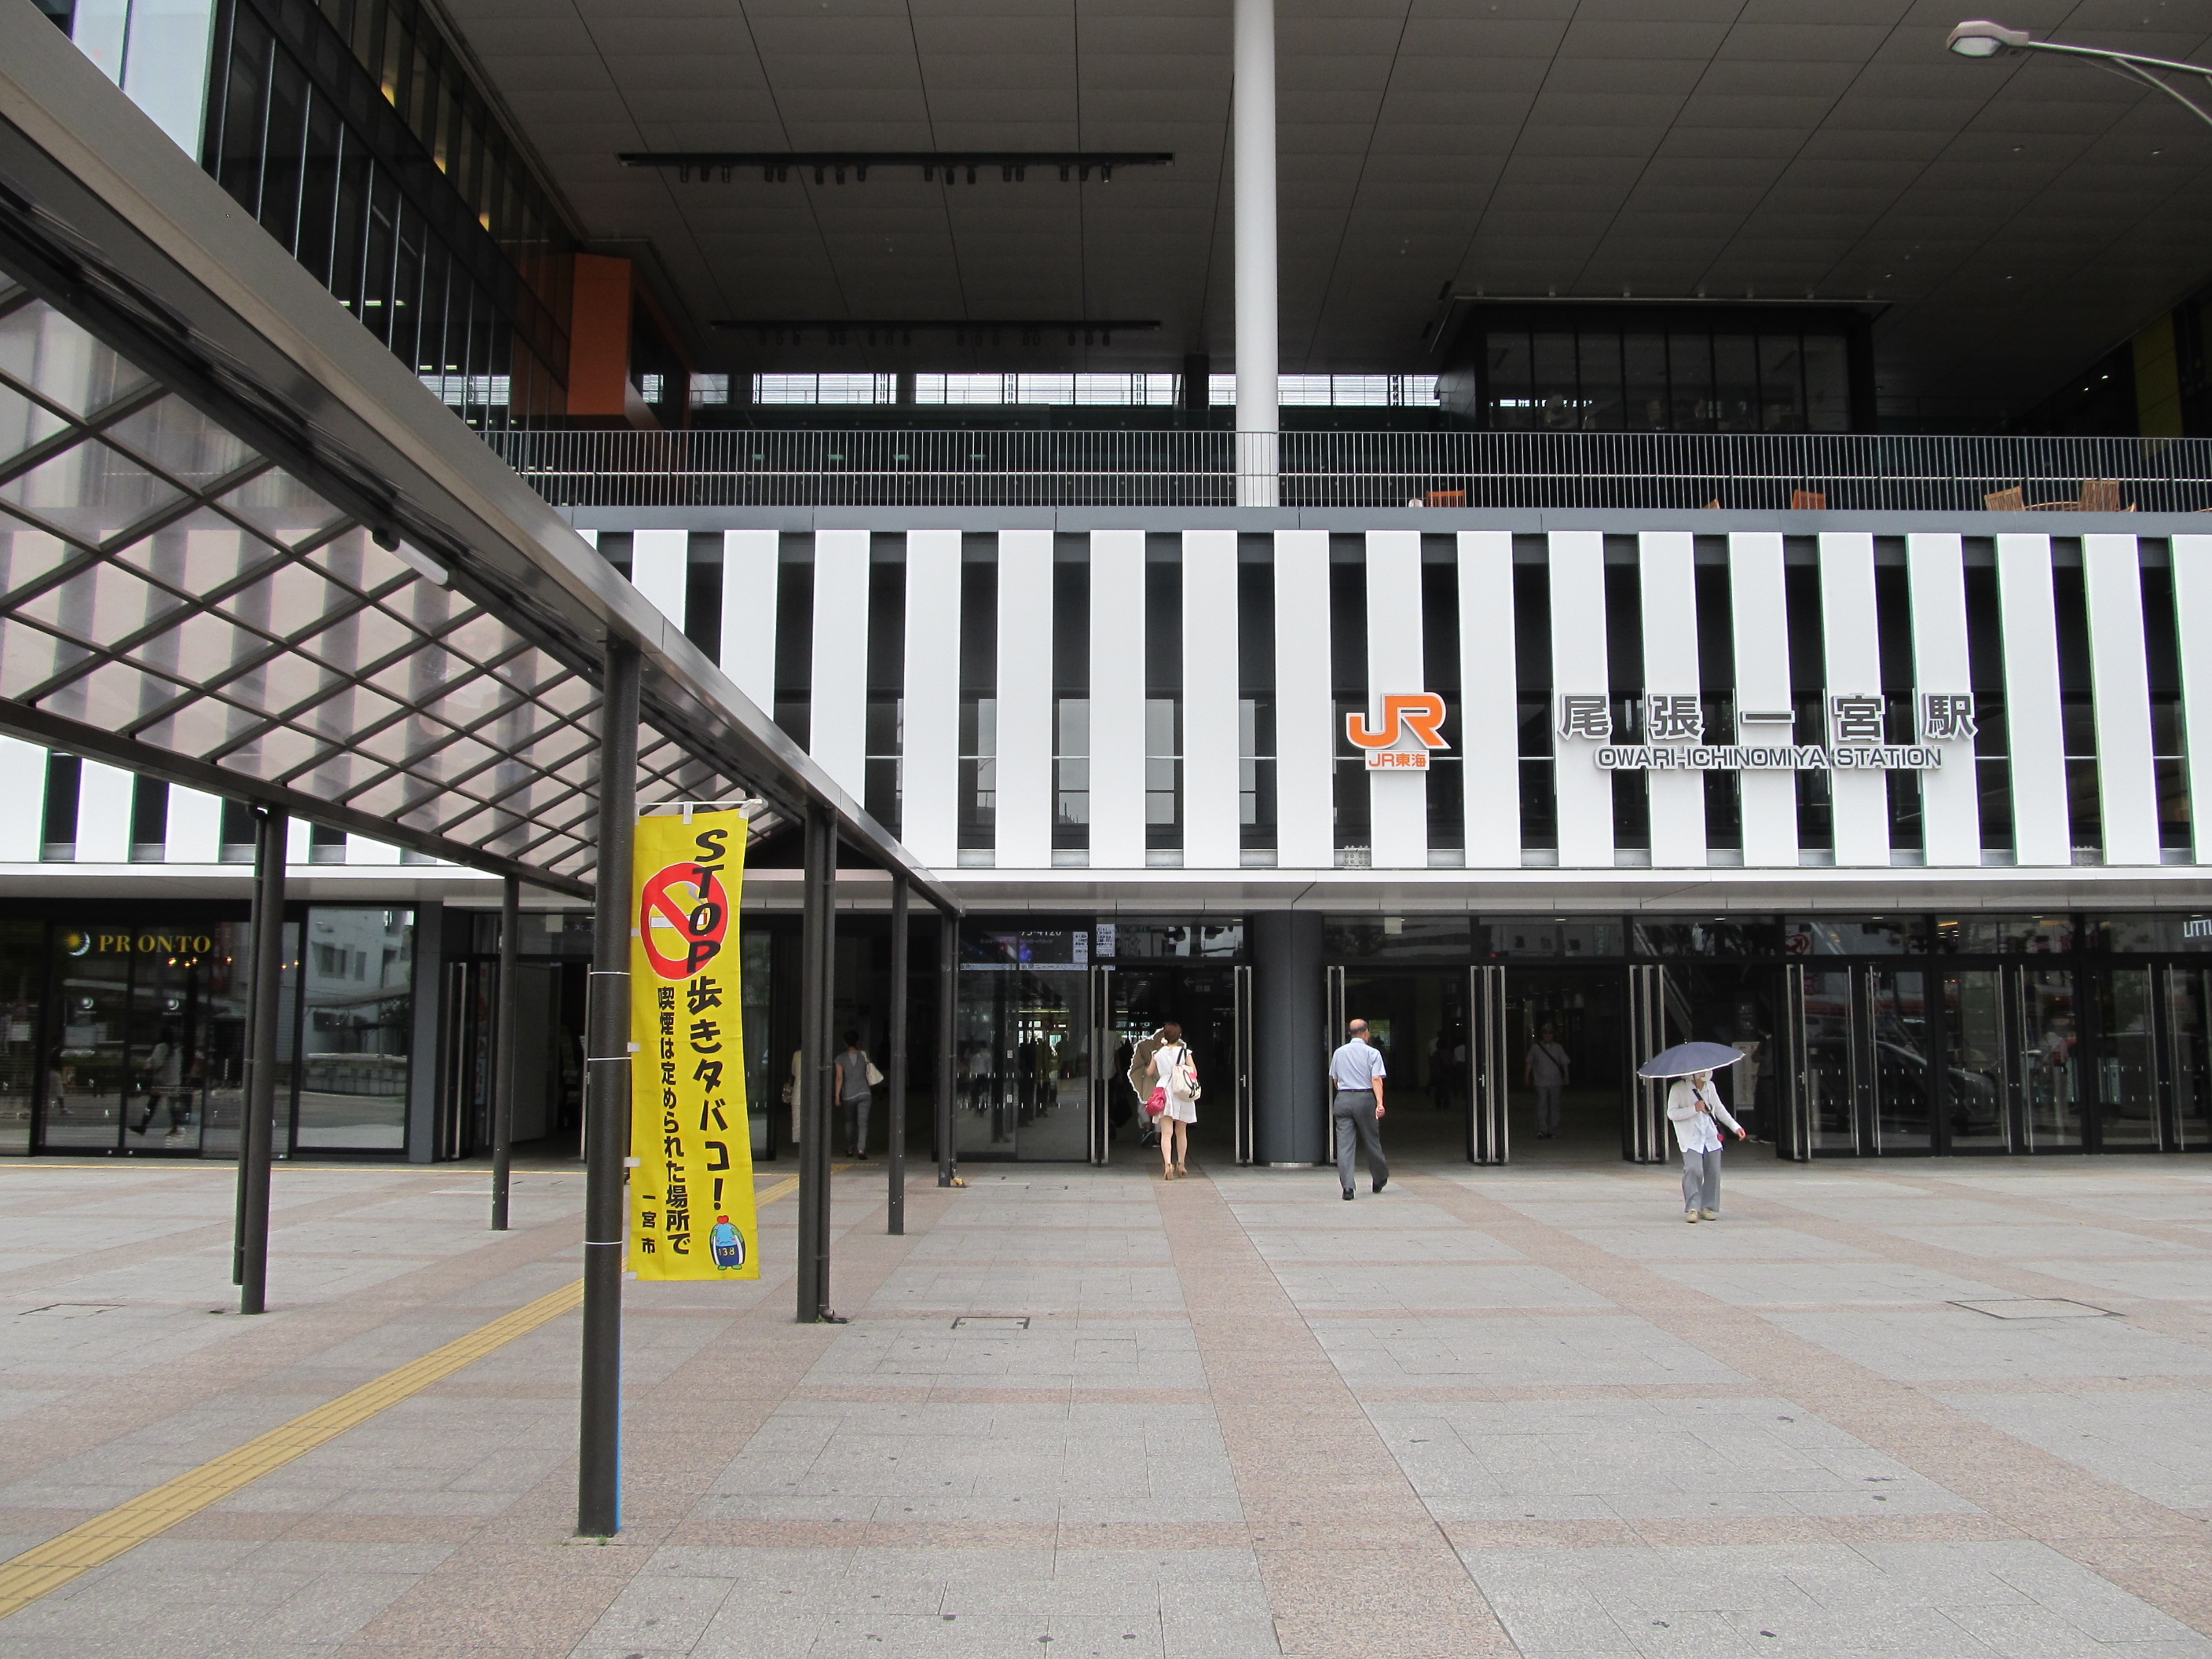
[{"x": 1354, "y": 1114}]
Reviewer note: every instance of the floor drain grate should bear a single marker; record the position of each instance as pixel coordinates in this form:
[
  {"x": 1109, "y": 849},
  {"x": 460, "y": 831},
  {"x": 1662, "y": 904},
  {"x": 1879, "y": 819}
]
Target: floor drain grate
[
  {"x": 2034, "y": 1307},
  {"x": 992, "y": 1322}
]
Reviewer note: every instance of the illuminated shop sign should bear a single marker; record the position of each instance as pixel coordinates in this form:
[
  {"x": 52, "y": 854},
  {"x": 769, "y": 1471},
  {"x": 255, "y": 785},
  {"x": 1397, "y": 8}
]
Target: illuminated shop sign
[
  {"x": 1673, "y": 735},
  {"x": 79, "y": 942},
  {"x": 1412, "y": 725}
]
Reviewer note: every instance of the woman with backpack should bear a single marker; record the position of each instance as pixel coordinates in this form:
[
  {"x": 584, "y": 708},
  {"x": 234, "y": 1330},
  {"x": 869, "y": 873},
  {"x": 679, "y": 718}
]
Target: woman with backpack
[{"x": 1173, "y": 1103}]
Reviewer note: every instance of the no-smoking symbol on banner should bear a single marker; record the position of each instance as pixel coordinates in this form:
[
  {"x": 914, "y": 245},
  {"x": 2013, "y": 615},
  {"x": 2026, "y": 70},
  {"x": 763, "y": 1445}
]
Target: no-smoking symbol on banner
[{"x": 687, "y": 903}]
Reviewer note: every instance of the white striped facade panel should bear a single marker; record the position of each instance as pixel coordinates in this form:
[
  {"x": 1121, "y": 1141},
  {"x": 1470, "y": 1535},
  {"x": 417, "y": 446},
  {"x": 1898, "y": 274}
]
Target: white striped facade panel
[
  {"x": 23, "y": 780},
  {"x": 2119, "y": 685},
  {"x": 1024, "y": 771},
  {"x": 2042, "y": 830},
  {"x": 1489, "y": 724},
  {"x": 1305, "y": 705},
  {"x": 660, "y": 569},
  {"x": 751, "y": 562},
  {"x": 837, "y": 698},
  {"x": 103, "y": 815},
  {"x": 1851, "y": 638},
  {"x": 1667, "y": 582},
  {"x": 1118, "y": 623},
  {"x": 1584, "y": 793},
  {"x": 1212, "y": 765},
  {"x": 1397, "y": 802},
  {"x": 929, "y": 765},
  {"x": 2192, "y": 605},
  {"x": 1759, "y": 614},
  {"x": 1950, "y": 796}
]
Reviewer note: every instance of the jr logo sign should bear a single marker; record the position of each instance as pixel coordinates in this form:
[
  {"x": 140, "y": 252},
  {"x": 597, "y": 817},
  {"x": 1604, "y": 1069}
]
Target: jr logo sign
[{"x": 1412, "y": 725}]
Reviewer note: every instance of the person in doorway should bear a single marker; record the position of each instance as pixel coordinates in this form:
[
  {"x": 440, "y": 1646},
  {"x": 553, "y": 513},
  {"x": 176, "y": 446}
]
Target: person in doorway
[
  {"x": 1139, "y": 1074},
  {"x": 1356, "y": 1072},
  {"x": 854, "y": 1090},
  {"x": 164, "y": 1076},
  {"x": 1549, "y": 1069},
  {"x": 1175, "y": 1074},
  {"x": 1694, "y": 1106}
]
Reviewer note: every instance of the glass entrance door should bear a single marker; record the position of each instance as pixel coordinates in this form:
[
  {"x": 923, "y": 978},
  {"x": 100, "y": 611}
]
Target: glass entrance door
[
  {"x": 1418, "y": 1016},
  {"x": 1212, "y": 1005}
]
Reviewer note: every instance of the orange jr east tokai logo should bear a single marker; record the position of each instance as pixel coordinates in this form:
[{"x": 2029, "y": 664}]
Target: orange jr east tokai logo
[{"x": 1412, "y": 725}]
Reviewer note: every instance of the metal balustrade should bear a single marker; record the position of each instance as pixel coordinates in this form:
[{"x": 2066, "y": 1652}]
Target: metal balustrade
[{"x": 1763, "y": 472}]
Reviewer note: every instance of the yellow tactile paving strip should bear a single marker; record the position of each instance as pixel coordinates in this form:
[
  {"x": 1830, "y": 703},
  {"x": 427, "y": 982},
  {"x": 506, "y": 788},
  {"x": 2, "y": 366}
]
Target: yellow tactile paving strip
[{"x": 44, "y": 1568}]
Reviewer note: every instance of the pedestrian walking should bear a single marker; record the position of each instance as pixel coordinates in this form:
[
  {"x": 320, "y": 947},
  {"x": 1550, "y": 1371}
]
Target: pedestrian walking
[
  {"x": 1356, "y": 1072},
  {"x": 1549, "y": 1069},
  {"x": 856, "y": 1078},
  {"x": 1174, "y": 1090},
  {"x": 1694, "y": 1103}
]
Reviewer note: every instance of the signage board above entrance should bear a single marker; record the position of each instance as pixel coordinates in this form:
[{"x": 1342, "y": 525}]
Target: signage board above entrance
[{"x": 1673, "y": 732}]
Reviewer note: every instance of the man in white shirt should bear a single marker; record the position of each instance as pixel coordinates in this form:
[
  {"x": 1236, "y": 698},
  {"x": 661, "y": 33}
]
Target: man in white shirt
[
  {"x": 1694, "y": 1105},
  {"x": 1356, "y": 1072},
  {"x": 1547, "y": 1069}
]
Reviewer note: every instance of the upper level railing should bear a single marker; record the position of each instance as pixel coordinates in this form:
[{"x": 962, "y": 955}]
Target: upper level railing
[{"x": 1754, "y": 471}]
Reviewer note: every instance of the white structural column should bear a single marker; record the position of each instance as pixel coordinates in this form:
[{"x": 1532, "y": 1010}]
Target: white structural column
[
  {"x": 1758, "y": 613},
  {"x": 1025, "y": 699},
  {"x": 1117, "y": 699},
  {"x": 838, "y": 699},
  {"x": 1667, "y": 578},
  {"x": 2042, "y": 830},
  {"x": 2119, "y": 686},
  {"x": 750, "y": 562},
  {"x": 23, "y": 780},
  {"x": 1397, "y": 802},
  {"x": 929, "y": 762},
  {"x": 1306, "y": 704},
  {"x": 1950, "y": 799},
  {"x": 660, "y": 568},
  {"x": 2192, "y": 603},
  {"x": 1852, "y": 638},
  {"x": 103, "y": 815},
  {"x": 1259, "y": 388},
  {"x": 1489, "y": 694},
  {"x": 1212, "y": 773},
  {"x": 1584, "y": 793}
]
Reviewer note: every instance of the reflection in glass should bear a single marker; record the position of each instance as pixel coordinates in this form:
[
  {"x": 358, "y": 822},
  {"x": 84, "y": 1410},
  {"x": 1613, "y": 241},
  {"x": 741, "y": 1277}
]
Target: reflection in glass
[
  {"x": 2188, "y": 1000},
  {"x": 22, "y": 973},
  {"x": 2127, "y": 1077},
  {"x": 1022, "y": 1063},
  {"x": 1901, "y": 1049},
  {"x": 357, "y": 981},
  {"x": 1828, "y": 1069},
  {"x": 2049, "y": 1059},
  {"x": 1972, "y": 1082}
]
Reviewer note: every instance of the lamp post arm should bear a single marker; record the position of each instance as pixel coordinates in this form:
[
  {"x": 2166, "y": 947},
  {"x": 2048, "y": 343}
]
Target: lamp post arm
[{"x": 2137, "y": 69}]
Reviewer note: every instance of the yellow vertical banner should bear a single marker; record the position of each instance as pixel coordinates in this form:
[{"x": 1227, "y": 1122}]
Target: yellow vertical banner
[{"x": 691, "y": 1189}]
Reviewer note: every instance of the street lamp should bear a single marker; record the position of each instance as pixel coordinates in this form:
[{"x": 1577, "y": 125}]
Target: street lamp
[{"x": 1983, "y": 38}]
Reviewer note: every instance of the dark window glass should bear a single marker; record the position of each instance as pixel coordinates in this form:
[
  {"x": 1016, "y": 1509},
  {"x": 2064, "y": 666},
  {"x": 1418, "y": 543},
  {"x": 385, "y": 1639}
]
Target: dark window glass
[
  {"x": 1624, "y": 656},
  {"x": 150, "y": 818},
  {"x": 1163, "y": 649},
  {"x": 1440, "y": 662},
  {"x": 1348, "y": 621},
  {"x": 979, "y": 681},
  {"x": 1255, "y": 669},
  {"x": 2169, "y": 743},
  {"x": 1816, "y": 827},
  {"x": 1532, "y": 656},
  {"x": 1716, "y": 690},
  {"x": 2077, "y": 709},
  {"x": 1985, "y": 668},
  {"x": 64, "y": 781},
  {"x": 1893, "y": 602}
]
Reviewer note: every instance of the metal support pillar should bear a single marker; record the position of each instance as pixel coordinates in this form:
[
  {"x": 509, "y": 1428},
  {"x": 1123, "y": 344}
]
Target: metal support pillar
[
  {"x": 607, "y": 1106},
  {"x": 257, "y": 1134},
  {"x": 502, "y": 1078},
  {"x": 948, "y": 967},
  {"x": 817, "y": 982},
  {"x": 1258, "y": 385},
  {"x": 895, "y": 1223}
]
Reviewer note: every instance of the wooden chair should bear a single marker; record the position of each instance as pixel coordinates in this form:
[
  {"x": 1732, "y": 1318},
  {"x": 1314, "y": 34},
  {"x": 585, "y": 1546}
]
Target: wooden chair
[
  {"x": 1809, "y": 501},
  {"x": 2005, "y": 501},
  {"x": 1445, "y": 498}
]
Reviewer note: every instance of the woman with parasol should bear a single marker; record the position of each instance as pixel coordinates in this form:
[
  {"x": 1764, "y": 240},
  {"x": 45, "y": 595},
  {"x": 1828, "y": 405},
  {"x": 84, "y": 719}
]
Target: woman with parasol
[{"x": 1695, "y": 1109}]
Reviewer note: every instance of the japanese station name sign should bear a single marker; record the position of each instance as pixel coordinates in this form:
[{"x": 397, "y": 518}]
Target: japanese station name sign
[
  {"x": 1672, "y": 738},
  {"x": 691, "y": 1158}
]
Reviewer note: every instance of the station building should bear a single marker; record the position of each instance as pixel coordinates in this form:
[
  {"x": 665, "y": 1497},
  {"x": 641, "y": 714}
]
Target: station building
[{"x": 1648, "y": 530}]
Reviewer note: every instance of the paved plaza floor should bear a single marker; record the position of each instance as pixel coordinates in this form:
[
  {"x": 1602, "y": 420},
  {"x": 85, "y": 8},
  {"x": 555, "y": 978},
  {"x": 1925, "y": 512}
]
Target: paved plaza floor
[{"x": 1951, "y": 1408}]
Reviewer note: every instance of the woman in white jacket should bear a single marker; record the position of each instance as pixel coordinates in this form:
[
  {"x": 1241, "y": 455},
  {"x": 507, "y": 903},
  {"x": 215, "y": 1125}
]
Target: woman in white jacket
[{"x": 1694, "y": 1105}]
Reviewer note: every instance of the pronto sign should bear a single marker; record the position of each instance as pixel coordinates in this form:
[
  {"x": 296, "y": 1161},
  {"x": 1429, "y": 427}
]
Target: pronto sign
[
  {"x": 691, "y": 1165},
  {"x": 1412, "y": 725}
]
